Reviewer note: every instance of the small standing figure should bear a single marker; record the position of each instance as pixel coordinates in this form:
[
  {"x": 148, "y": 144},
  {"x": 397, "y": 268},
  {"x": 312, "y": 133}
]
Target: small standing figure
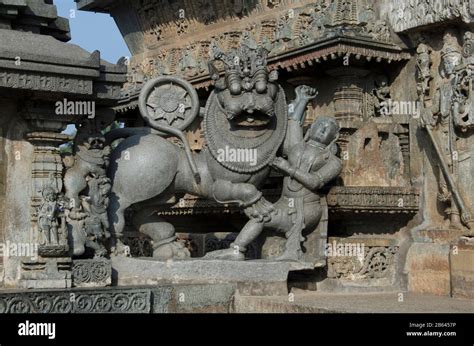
[
  {"x": 423, "y": 64},
  {"x": 49, "y": 215},
  {"x": 382, "y": 96}
]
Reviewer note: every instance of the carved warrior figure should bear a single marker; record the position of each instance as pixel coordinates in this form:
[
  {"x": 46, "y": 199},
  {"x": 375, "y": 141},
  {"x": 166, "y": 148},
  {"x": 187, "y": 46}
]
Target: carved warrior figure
[
  {"x": 246, "y": 111},
  {"x": 310, "y": 166}
]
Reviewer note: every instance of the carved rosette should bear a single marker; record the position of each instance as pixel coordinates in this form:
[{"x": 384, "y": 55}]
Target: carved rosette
[{"x": 91, "y": 273}]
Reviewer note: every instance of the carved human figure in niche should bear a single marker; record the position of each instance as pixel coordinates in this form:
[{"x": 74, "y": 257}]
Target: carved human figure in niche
[
  {"x": 283, "y": 32},
  {"x": 382, "y": 96},
  {"x": 319, "y": 19},
  {"x": 96, "y": 223},
  {"x": 423, "y": 67},
  {"x": 51, "y": 223},
  {"x": 188, "y": 64},
  {"x": 248, "y": 40},
  {"x": 311, "y": 164},
  {"x": 47, "y": 216}
]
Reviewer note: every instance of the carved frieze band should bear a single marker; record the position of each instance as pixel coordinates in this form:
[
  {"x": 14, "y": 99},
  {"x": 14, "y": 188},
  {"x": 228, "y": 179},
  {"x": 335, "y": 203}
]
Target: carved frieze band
[
  {"x": 100, "y": 301},
  {"x": 375, "y": 199},
  {"x": 45, "y": 82},
  {"x": 340, "y": 198},
  {"x": 408, "y": 14}
]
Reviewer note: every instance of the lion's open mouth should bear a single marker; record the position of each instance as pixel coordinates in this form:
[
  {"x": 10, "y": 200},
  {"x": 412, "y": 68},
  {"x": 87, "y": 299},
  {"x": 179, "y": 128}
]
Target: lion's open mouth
[
  {"x": 255, "y": 119},
  {"x": 250, "y": 124}
]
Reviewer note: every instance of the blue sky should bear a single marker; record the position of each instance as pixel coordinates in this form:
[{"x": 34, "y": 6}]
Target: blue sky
[{"x": 94, "y": 31}]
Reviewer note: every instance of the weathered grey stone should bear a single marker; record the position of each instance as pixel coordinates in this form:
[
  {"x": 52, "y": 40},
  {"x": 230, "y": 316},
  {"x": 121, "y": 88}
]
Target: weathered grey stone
[
  {"x": 405, "y": 185},
  {"x": 209, "y": 298},
  {"x": 142, "y": 271}
]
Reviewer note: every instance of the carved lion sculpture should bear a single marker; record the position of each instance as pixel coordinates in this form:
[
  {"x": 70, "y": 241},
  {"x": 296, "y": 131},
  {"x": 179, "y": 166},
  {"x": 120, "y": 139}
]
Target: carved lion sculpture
[{"x": 246, "y": 116}]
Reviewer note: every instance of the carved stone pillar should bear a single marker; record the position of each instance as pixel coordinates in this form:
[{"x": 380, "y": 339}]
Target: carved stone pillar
[
  {"x": 349, "y": 96},
  {"x": 51, "y": 268}
]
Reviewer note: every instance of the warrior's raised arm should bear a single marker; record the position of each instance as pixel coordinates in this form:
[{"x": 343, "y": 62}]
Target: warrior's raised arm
[{"x": 296, "y": 116}]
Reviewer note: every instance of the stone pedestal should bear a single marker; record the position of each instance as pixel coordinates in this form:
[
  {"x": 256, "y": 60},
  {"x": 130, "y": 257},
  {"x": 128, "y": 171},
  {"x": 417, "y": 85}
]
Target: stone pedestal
[{"x": 257, "y": 277}]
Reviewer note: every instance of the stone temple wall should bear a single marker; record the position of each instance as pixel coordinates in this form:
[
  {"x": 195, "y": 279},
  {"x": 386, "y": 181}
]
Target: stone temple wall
[{"x": 395, "y": 79}]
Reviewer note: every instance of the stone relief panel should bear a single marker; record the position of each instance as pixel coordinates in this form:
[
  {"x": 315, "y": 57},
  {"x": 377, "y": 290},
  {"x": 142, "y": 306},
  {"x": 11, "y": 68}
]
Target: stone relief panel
[
  {"x": 406, "y": 14},
  {"x": 293, "y": 26}
]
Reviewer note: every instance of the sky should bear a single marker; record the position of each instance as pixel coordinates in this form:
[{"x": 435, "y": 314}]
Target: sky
[{"x": 93, "y": 31}]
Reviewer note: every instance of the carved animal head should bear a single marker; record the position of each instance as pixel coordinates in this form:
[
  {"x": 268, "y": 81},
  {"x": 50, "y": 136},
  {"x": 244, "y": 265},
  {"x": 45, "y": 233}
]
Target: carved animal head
[
  {"x": 89, "y": 137},
  {"x": 247, "y": 109},
  {"x": 247, "y": 92}
]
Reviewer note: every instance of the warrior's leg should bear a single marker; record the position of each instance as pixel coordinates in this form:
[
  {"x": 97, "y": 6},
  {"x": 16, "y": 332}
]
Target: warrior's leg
[
  {"x": 293, "y": 251},
  {"x": 237, "y": 249},
  {"x": 306, "y": 216}
]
